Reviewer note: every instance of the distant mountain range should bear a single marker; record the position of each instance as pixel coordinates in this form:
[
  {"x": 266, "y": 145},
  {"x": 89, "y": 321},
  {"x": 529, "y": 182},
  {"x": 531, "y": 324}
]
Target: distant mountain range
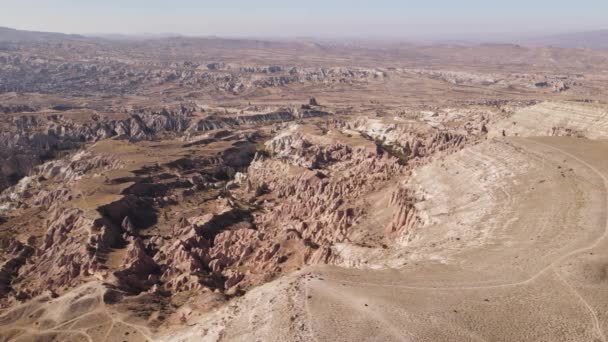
[{"x": 591, "y": 39}]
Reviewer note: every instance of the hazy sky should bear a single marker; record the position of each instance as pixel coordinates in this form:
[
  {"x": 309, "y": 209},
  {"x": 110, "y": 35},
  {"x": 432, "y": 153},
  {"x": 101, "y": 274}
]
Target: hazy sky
[{"x": 314, "y": 18}]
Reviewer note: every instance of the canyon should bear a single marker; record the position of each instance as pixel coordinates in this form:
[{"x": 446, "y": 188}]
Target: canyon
[{"x": 187, "y": 189}]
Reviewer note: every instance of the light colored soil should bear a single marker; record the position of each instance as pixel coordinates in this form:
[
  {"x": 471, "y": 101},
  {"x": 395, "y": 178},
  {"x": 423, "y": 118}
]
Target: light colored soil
[
  {"x": 553, "y": 118},
  {"x": 80, "y": 315}
]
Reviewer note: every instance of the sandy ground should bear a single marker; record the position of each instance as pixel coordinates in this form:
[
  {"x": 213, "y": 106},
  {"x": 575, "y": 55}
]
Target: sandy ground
[
  {"x": 80, "y": 315},
  {"x": 556, "y": 118},
  {"x": 538, "y": 272}
]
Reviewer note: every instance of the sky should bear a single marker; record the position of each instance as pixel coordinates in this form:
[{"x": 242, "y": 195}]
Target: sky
[{"x": 308, "y": 18}]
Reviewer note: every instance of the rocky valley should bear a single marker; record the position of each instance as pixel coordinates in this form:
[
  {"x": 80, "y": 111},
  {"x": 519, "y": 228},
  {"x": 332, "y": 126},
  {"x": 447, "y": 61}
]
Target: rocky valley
[{"x": 187, "y": 189}]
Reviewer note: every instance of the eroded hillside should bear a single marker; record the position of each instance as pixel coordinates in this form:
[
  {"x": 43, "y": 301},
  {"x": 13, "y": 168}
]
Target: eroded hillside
[{"x": 223, "y": 192}]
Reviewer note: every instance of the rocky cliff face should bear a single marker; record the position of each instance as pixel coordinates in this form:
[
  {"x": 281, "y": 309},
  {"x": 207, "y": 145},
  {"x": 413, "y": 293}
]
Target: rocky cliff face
[
  {"x": 422, "y": 142},
  {"x": 307, "y": 195},
  {"x": 306, "y": 189},
  {"x": 33, "y": 140},
  {"x": 63, "y": 171},
  {"x": 406, "y": 217},
  {"x": 14, "y": 258},
  {"x": 226, "y": 221}
]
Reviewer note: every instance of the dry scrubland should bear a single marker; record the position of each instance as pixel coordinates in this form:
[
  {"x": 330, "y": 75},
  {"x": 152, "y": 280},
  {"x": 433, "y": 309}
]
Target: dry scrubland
[{"x": 190, "y": 189}]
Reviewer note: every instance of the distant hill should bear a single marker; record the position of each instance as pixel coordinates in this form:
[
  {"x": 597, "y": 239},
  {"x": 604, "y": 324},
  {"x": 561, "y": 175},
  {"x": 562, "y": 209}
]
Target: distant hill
[
  {"x": 12, "y": 35},
  {"x": 9, "y": 35},
  {"x": 128, "y": 37},
  {"x": 597, "y": 40},
  {"x": 592, "y": 39}
]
